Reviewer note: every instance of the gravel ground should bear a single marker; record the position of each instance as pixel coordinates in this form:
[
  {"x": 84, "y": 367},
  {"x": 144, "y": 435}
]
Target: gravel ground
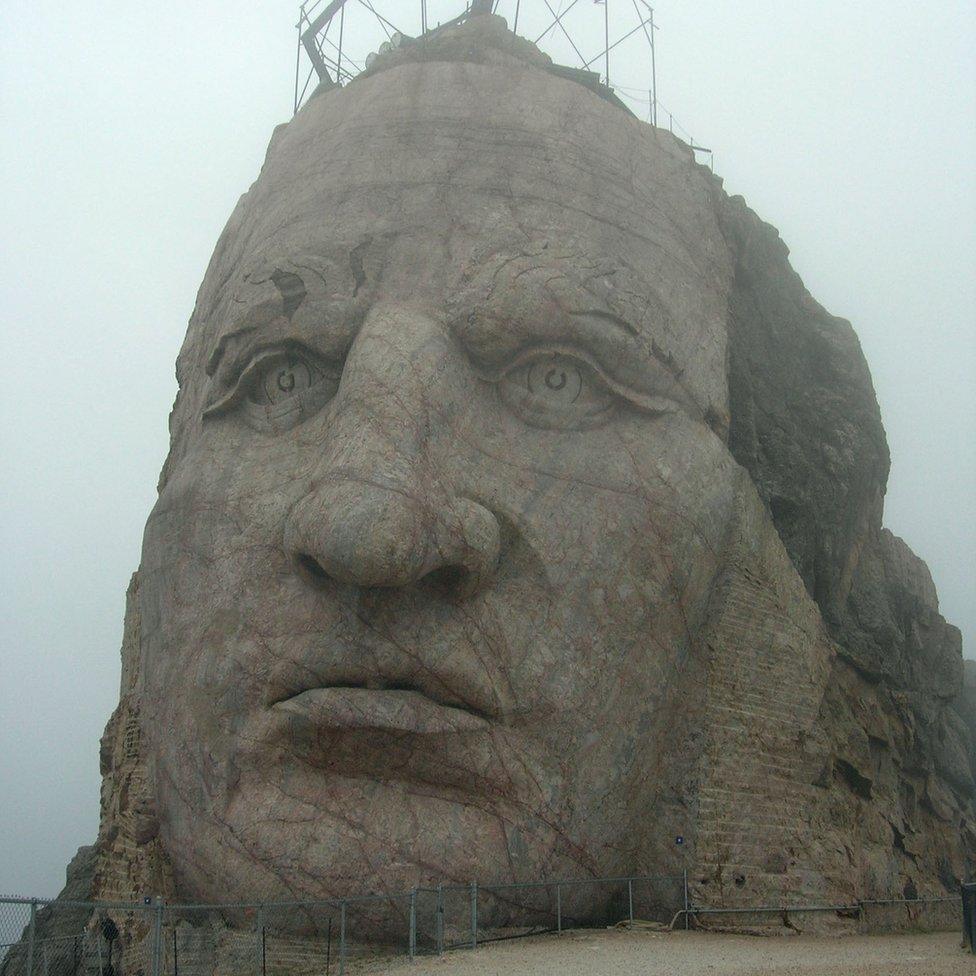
[{"x": 623, "y": 953}]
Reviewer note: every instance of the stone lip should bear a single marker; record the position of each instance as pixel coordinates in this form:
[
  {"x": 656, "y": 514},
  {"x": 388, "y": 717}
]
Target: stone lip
[{"x": 392, "y": 710}]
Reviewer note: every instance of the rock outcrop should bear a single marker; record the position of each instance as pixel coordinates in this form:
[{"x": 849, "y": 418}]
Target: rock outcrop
[
  {"x": 806, "y": 425},
  {"x": 523, "y": 511}
]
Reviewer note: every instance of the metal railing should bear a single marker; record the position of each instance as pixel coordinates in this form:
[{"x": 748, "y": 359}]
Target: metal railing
[{"x": 52, "y": 938}]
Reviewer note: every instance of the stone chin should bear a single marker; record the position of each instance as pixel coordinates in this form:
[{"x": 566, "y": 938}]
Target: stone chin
[{"x": 422, "y": 592}]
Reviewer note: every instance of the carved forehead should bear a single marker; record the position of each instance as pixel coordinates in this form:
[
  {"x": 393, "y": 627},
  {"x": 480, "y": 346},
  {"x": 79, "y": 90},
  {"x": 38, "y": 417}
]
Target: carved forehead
[{"x": 441, "y": 182}]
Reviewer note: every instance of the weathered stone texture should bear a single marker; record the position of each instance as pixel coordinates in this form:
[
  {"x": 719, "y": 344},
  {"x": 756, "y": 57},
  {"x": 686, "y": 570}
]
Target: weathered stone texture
[
  {"x": 806, "y": 425},
  {"x": 805, "y": 421},
  {"x": 130, "y": 863},
  {"x": 523, "y": 511},
  {"x": 966, "y": 703}
]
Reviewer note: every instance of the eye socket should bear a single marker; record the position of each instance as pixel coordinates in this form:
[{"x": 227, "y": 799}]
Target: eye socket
[
  {"x": 556, "y": 391},
  {"x": 279, "y": 389},
  {"x": 281, "y": 377}
]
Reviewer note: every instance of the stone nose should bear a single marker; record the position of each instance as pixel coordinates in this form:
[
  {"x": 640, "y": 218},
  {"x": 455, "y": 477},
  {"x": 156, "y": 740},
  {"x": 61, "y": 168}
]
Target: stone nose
[
  {"x": 373, "y": 535},
  {"x": 386, "y": 511}
]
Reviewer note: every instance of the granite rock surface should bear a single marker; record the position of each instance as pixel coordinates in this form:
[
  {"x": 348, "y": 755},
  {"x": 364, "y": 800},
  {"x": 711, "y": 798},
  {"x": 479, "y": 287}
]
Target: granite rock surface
[{"x": 523, "y": 511}]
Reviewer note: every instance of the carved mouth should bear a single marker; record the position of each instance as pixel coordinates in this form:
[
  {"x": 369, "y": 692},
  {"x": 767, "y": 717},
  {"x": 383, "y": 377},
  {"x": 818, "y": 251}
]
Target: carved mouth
[{"x": 390, "y": 709}]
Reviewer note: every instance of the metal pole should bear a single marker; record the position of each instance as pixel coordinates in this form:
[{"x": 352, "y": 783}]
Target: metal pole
[
  {"x": 653, "y": 70},
  {"x": 630, "y": 901},
  {"x": 413, "y": 923},
  {"x": 559, "y": 909},
  {"x": 259, "y": 932},
  {"x": 686, "y": 898},
  {"x": 342, "y": 25},
  {"x": 328, "y": 950},
  {"x": 440, "y": 919},
  {"x": 518, "y": 3},
  {"x": 342, "y": 938},
  {"x": 972, "y": 924},
  {"x": 158, "y": 939},
  {"x": 474, "y": 914},
  {"x": 298, "y": 57},
  {"x": 559, "y": 21},
  {"x": 967, "y": 935},
  {"x": 606, "y": 35},
  {"x": 176, "y": 958},
  {"x": 969, "y": 924},
  {"x": 30, "y": 937}
]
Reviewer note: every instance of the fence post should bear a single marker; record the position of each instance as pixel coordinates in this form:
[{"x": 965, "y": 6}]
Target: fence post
[
  {"x": 559, "y": 909},
  {"x": 259, "y": 932},
  {"x": 972, "y": 924},
  {"x": 328, "y": 950},
  {"x": 474, "y": 914},
  {"x": 413, "y": 923},
  {"x": 157, "y": 943},
  {"x": 176, "y": 955},
  {"x": 630, "y": 900},
  {"x": 969, "y": 915},
  {"x": 686, "y": 898},
  {"x": 967, "y": 935},
  {"x": 342, "y": 938},
  {"x": 440, "y": 919},
  {"x": 30, "y": 937},
  {"x": 972, "y": 916}
]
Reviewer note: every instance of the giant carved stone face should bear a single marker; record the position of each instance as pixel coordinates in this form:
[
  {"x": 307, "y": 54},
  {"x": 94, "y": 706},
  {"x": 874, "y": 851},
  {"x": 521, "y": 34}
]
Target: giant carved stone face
[{"x": 448, "y": 492}]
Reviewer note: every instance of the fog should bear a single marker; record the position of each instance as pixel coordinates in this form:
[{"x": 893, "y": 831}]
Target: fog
[{"x": 130, "y": 130}]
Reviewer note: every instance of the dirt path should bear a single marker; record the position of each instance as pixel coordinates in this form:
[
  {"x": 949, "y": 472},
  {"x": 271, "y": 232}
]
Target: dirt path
[{"x": 621, "y": 953}]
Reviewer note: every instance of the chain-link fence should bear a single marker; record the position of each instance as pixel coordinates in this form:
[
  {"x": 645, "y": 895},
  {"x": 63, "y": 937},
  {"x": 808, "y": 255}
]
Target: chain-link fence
[
  {"x": 909, "y": 915},
  {"x": 65, "y": 938},
  {"x": 45, "y": 938}
]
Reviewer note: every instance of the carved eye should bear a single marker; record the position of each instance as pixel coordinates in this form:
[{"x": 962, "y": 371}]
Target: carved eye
[
  {"x": 281, "y": 377},
  {"x": 279, "y": 388},
  {"x": 557, "y": 391}
]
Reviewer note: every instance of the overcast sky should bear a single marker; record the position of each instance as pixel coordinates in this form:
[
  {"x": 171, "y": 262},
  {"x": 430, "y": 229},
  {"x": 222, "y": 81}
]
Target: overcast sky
[{"x": 128, "y": 132}]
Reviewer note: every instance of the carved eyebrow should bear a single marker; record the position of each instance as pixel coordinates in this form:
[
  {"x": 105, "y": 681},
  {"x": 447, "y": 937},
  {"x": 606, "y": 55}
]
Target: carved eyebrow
[
  {"x": 490, "y": 336},
  {"x": 291, "y": 288},
  {"x": 221, "y": 348},
  {"x": 599, "y": 313}
]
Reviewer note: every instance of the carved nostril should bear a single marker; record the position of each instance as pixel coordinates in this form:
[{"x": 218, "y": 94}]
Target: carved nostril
[
  {"x": 312, "y": 569},
  {"x": 366, "y": 535},
  {"x": 448, "y": 582}
]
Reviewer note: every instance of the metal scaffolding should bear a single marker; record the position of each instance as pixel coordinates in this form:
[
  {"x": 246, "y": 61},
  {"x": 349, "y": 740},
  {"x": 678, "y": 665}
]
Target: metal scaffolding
[{"x": 339, "y": 39}]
